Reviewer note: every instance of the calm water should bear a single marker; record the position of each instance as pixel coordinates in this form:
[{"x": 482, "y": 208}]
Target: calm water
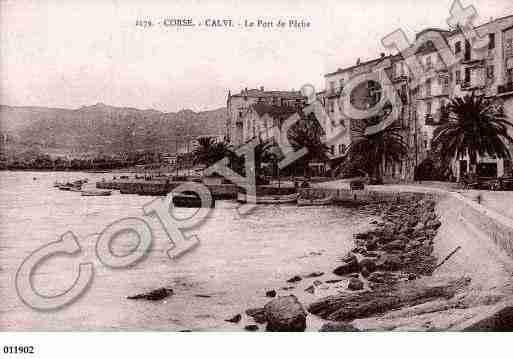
[{"x": 237, "y": 260}]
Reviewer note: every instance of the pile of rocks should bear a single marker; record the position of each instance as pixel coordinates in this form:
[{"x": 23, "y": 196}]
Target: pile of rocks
[
  {"x": 402, "y": 243},
  {"x": 380, "y": 272}
]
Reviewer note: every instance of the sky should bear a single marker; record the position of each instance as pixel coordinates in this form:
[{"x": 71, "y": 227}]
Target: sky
[{"x": 75, "y": 53}]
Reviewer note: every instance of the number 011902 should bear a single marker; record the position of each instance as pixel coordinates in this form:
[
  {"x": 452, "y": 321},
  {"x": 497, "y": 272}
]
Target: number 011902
[{"x": 18, "y": 349}]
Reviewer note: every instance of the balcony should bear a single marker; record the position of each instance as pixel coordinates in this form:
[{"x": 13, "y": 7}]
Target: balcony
[
  {"x": 429, "y": 119},
  {"x": 335, "y": 92},
  {"x": 506, "y": 89},
  {"x": 473, "y": 62},
  {"x": 437, "y": 119},
  {"x": 400, "y": 78}
]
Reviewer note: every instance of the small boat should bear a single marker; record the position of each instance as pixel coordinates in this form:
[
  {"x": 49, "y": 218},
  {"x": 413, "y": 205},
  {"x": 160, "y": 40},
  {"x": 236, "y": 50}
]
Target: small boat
[
  {"x": 69, "y": 187},
  {"x": 267, "y": 199},
  {"x": 189, "y": 201},
  {"x": 96, "y": 192},
  {"x": 315, "y": 201}
]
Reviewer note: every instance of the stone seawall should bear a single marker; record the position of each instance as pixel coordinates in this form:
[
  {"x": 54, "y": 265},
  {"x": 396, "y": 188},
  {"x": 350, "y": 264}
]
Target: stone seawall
[
  {"x": 219, "y": 191},
  {"x": 493, "y": 224},
  {"x": 364, "y": 196},
  {"x": 474, "y": 242}
]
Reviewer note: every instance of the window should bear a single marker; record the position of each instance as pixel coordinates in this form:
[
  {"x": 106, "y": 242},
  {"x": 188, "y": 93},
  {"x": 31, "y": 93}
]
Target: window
[
  {"x": 341, "y": 83},
  {"x": 467, "y": 56},
  {"x": 457, "y": 47},
  {"x": 332, "y": 149},
  {"x": 428, "y": 62},
  {"x": 508, "y": 47},
  {"x": 467, "y": 74},
  {"x": 509, "y": 76},
  {"x": 457, "y": 76},
  {"x": 331, "y": 106},
  {"x": 491, "y": 41},
  {"x": 428, "y": 87},
  {"x": 490, "y": 72},
  {"x": 341, "y": 148},
  {"x": 428, "y": 107}
]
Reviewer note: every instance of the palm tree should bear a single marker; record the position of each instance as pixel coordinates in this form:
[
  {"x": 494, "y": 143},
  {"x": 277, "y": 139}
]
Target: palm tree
[
  {"x": 476, "y": 127},
  {"x": 374, "y": 152},
  {"x": 308, "y": 133},
  {"x": 209, "y": 151}
]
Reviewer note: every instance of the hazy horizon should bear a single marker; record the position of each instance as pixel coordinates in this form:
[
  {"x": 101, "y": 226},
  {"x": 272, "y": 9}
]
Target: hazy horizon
[{"x": 70, "y": 55}]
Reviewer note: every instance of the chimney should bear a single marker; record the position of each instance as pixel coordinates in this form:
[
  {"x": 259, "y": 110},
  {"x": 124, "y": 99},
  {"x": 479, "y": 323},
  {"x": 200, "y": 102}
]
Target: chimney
[
  {"x": 357, "y": 61},
  {"x": 382, "y": 55},
  {"x": 262, "y": 88}
]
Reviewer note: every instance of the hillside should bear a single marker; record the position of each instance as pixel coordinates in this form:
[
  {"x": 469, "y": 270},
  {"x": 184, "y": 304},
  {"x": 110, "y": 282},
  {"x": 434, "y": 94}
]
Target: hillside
[{"x": 103, "y": 129}]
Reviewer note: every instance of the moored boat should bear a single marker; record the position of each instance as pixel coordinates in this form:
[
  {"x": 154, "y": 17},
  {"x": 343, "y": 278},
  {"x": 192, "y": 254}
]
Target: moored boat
[
  {"x": 267, "y": 199},
  {"x": 69, "y": 187},
  {"x": 190, "y": 201},
  {"x": 315, "y": 201},
  {"x": 96, "y": 193}
]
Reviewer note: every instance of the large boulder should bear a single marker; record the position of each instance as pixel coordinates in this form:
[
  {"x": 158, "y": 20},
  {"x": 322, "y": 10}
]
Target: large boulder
[
  {"x": 389, "y": 263},
  {"x": 397, "y": 245},
  {"x": 157, "y": 294},
  {"x": 349, "y": 258},
  {"x": 338, "y": 327},
  {"x": 368, "y": 264},
  {"x": 285, "y": 314},
  {"x": 258, "y": 314},
  {"x": 433, "y": 224},
  {"x": 371, "y": 245},
  {"x": 355, "y": 284},
  {"x": 346, "y": 268}
]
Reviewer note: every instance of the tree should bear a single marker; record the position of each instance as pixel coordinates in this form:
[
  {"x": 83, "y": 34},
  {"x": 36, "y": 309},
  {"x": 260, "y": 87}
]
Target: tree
[
  {"x": 374, "y": 152},
  {"x": 476, "y": 127},
  {"x": 209, "y": 151},
  {"x": 308, "y": 133}
]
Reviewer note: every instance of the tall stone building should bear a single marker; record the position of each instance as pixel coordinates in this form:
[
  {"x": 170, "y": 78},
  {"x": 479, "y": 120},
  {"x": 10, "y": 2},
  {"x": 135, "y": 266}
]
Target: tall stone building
[
  {"x": 239, "y": 104},
  {"x": 421, "y": 99}
]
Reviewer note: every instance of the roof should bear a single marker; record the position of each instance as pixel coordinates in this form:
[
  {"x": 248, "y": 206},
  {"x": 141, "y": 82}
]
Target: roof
[
  {"x": 260, "y": 93},
  {"x": 423, "y": 49},
  {"x": 274, "y": 111},
  {"x": 369, "y": 62}
]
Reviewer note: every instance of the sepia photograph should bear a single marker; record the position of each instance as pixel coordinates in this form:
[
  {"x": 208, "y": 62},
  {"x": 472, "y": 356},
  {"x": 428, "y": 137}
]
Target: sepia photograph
[{"x": 255, "y": 166}]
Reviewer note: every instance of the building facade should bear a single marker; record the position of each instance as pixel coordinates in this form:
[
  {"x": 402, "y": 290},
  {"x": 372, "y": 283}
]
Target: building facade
[
  {"x": 238, "y": 106},
  {"x": 421, "y": 101}
]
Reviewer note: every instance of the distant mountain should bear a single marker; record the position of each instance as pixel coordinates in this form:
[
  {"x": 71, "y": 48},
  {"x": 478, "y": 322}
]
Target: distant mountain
[{"x": 104, "y": 129}]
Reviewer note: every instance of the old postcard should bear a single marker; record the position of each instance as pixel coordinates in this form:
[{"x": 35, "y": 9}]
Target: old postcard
[{"x": 256, "y": 166}]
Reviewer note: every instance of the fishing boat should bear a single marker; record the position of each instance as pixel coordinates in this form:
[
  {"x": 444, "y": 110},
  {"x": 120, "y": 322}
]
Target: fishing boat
[
  {"x": 69, "y": 187},
  {"x": 190, "y": 201},
  {"x": 96, "y": 192},
  {"x": 315, "y": 201},
  {"x": 267, "y": 199}
]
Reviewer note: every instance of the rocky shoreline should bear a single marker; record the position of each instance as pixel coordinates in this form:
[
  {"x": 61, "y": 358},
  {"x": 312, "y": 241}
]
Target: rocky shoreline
[
  {"x": 382, "y": 273},
  {"x": 397, "y": 276}
]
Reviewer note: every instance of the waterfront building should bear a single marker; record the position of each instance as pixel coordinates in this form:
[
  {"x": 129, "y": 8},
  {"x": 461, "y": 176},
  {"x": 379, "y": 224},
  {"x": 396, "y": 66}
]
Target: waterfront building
[
  {"x": 485, "y": 71},
  {"x": 239, "y": 104},
  {"x": 260, "y": 120},
  {"x": 423, "y": 101}
]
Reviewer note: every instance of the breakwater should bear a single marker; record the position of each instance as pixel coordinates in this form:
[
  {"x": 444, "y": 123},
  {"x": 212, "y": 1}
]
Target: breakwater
[
  {"x": 145, "y": 187},
  {"x": 363, "y": 196}
]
